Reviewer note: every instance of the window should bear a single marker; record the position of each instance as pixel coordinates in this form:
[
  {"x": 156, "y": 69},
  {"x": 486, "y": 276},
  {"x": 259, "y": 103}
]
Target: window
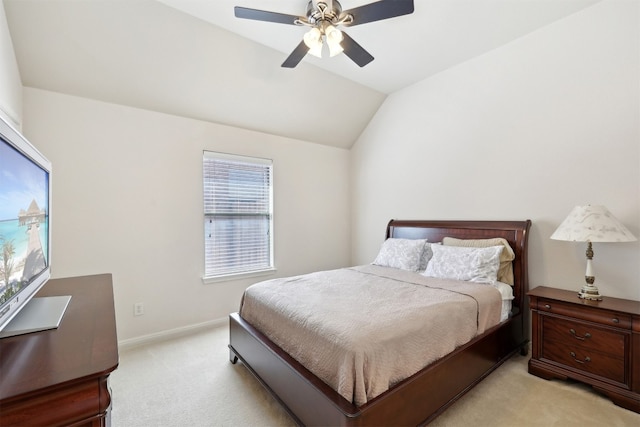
[{"x": 237, "y": 214}]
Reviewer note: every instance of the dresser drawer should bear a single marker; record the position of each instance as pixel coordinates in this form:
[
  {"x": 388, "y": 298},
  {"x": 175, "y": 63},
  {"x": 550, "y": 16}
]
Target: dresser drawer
[
  {"x": 603, "y": 317},
  {"x": 585, "y": 360},
  {"x": 584, "y": 335}
]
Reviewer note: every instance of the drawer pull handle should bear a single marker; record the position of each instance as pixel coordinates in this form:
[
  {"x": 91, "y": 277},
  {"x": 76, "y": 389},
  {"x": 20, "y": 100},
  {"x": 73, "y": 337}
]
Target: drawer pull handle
[
  {"x": 586, "y": 359},
  {"x": 547, "y": 306},
  {"x": 586, "y": 335},
  {"x": 615, "y": 320}
]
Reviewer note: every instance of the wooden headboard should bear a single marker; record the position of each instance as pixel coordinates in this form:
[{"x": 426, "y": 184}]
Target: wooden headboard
[{"x": 514, "y": 232}]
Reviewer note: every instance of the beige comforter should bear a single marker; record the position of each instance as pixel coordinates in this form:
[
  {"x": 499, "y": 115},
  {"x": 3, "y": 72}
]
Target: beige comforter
[{"x": 363, "y": 329}]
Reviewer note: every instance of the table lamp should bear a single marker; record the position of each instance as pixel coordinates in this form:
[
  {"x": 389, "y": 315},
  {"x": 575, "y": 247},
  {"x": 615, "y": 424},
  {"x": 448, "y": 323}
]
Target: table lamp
[{"x": 591, "y": 224}]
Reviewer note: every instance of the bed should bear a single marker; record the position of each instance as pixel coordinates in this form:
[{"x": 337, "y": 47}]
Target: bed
[{"x": 422, "y": 395}]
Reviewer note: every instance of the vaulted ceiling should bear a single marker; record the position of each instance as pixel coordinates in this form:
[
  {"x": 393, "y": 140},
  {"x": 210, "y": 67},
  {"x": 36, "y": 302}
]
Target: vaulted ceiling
[{"x": 193, "y": 58}]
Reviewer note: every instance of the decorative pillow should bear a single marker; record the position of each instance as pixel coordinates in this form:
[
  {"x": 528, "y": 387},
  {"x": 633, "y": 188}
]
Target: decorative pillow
[
  {"x": 460, "y": 263},
  {"x": 405, "y": 254},
  {"x": 505, "y": 272}
]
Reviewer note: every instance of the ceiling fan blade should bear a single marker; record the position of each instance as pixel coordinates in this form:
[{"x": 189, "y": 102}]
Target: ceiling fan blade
[
  {"x": 263, "y": 15},
  {"x": 379, "y": 10},
  {"x": 354, "y": 51},
  {"x": 296, "y": 56}
]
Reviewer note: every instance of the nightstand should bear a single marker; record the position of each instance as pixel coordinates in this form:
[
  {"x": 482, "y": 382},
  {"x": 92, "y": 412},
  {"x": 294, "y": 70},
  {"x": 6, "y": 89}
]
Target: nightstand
[{"x": 595, "y": 342}]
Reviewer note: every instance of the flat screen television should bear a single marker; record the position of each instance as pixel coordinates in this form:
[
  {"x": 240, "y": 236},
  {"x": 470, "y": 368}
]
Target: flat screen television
[{"x": 25, "y": 237}]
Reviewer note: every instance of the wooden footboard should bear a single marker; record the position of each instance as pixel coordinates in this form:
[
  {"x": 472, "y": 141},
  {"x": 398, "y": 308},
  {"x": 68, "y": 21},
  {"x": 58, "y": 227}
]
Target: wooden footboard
[{"x": 307, "y": 398}]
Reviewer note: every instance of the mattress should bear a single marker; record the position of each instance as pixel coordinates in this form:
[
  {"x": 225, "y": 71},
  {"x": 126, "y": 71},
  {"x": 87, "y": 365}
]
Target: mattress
[{"x": 363, "y": 329}]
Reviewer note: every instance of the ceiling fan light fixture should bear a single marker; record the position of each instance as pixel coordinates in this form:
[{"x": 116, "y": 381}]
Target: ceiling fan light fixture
[
  {"x": 335, "y": 50},
  {"x": 313, "y": 40},
  {"x": 334, "y": 38}
]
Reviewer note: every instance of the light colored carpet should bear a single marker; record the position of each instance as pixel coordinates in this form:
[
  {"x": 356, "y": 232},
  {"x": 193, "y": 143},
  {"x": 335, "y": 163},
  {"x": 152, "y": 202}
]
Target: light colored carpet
[{"x": 189, "y": 381}]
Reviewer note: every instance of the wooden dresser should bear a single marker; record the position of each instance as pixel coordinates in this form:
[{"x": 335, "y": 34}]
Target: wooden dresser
[
  {"x": 59, "y": 377},
  {"x": 595, "y": 342}
]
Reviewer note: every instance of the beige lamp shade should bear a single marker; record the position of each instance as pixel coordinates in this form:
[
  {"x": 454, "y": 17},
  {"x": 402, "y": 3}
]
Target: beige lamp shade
[{"x": 592, "y": 224}]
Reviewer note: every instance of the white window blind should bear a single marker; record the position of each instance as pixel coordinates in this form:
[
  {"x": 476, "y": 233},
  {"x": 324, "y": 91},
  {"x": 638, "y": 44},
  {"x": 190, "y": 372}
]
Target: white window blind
[{"x": 237, "y": 214}]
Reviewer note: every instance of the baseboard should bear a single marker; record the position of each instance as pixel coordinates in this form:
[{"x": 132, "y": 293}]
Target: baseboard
[{"x": 170, "y": 334}]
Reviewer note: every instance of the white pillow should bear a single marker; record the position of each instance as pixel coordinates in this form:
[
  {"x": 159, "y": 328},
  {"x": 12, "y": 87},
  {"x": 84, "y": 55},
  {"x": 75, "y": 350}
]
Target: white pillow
[
  {"x": 405, "y": 254},
  {"x": 505, "y": 271},
  {"x": 462, "y": 263}
]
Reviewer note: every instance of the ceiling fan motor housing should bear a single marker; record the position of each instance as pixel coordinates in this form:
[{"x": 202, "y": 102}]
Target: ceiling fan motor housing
[{"x": 323, "y": 12}]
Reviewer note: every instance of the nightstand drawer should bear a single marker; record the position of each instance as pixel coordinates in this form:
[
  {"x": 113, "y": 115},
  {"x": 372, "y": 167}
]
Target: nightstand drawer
[
  {"x": 604, "y": 317},
  {"x": 585, "y": 360},
  {"x": 584, "y": 335}
]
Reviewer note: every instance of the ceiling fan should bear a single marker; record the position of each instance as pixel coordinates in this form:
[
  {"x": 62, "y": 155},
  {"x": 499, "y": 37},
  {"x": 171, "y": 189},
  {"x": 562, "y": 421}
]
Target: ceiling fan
[{"x": 324, "y": 17}]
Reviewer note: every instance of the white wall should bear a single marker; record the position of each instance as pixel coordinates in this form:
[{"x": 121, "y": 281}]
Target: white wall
[
  {"x": 10, "y": 83},
  {"x": 527, "y": 131},
  {"x": 127, "y": 199}
]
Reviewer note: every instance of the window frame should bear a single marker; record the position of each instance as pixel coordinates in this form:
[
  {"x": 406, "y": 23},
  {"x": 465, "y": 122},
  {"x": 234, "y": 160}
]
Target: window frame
[{"x": 210, "y": 276}]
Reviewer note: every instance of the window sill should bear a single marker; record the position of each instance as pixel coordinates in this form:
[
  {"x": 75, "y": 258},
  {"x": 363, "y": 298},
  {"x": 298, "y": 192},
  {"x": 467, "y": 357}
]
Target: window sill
[{"x": 237, "y": 276}]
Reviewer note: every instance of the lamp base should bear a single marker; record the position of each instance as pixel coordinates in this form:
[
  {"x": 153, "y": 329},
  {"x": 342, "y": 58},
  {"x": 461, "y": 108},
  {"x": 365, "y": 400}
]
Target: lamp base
[{"x": 590, "y": 292}]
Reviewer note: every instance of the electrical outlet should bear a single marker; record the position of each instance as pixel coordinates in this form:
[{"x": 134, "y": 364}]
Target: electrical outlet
[{"x": 138, "y": 309}]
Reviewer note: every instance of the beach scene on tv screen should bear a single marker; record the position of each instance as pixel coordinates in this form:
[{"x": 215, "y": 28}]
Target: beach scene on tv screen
[{"x": 24, "y": 221}]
